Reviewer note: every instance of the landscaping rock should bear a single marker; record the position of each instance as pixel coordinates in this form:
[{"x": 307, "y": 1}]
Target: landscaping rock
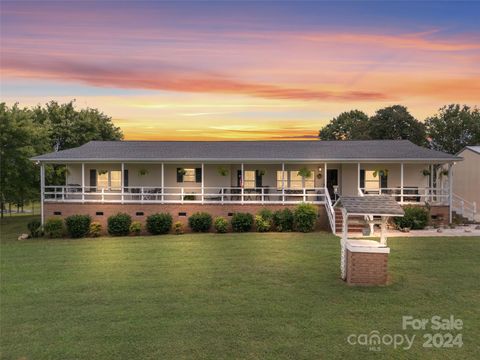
[
  {"x": 439, "y": 230},
  {"x": 477, "y": 227},
  {"x": 467, "y": 230},
  {"x": 23, "y": 237}
]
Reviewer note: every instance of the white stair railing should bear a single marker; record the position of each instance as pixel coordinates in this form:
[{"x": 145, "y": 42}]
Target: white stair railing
[
  {"x": 330, "y": 210},
  {"x": 465, "y": 208}
]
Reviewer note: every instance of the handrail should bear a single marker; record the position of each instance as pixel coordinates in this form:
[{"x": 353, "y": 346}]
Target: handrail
[
  {"x": 464, "y": 207},
  {"x": 186, "y": 194},
  {"x": 330, "y": 210}
]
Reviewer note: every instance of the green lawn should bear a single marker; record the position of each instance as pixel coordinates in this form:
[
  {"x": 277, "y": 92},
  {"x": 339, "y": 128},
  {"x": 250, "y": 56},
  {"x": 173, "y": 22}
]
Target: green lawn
[{"x": 224, "y": 296}]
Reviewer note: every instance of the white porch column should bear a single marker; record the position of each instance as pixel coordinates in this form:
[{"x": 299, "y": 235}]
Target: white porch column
[
  {"x": 122, "y": 184},
  {"x": 430, "y": 184},
  {"x": 83, "y": 182},
  {"x": 203, "y": 182},
  {"x": 450, "y": 189},
  {"x": 358, "y": 177},
  {"x": 242, "y": 181},
  {"x": 383, "y": 228},
  {"x": 42, "y": 191},
  {"x": 401, "y": 183},
  {"x": 283, "y": 183},
  {"x": 325, "y": 178},
  {"x": 163, "y": 183}
]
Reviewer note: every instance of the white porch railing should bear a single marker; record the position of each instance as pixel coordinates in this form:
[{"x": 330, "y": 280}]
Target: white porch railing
[
  {"x": 464, "y": 207},
  {"x": 184, "y": 195},
  {"x": 330, "y": 211},
  {"x": 411, "y": 195}
]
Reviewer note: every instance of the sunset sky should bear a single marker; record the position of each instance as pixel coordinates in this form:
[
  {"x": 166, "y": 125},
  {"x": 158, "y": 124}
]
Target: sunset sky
[{"x": 251, "y": 70}]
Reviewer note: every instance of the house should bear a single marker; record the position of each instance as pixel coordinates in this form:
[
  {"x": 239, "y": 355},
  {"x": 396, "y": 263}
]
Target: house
[
  {"x": 466, "y": 184},
  {"x": 182, "y": 177}
]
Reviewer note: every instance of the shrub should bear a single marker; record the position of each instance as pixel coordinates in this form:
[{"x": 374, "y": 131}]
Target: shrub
[
  {"x": 35, "y": 228},
  {"x": 95, "y": 229},
  {"x": 178, "y": 228},
  {"x": 136, "y": 228},
  {"x": 305, "y": 217},
  {"x": 266, "y": 214},
  {"x": 283, "y": 220},
  {"x": 415, "y": 218},
  {"x": 242, "y": 222},
  {"x": 119, "y": 224},
  {"x": 262, "y": 224},
  {"x": 78, "y": 225},
  {"x": 200, "y": 222},
  {"x": 54, "y": 228},
  {"x": 159, "y": 223},
  {"x": 221, "y": 225}
]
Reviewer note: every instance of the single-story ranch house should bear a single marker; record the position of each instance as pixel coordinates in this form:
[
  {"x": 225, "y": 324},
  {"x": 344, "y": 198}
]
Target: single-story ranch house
[{"x": 182, "y": 177}]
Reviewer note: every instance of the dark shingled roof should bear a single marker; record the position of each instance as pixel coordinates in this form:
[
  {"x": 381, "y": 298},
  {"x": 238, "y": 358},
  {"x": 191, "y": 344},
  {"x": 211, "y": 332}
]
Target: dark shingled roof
[
  {"x": 247, "y": 150},
  {"x": 371, "y": 205}
]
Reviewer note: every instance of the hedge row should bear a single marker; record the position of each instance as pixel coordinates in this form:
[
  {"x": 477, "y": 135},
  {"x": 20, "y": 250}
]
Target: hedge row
[{"x": 303, "y": 219}]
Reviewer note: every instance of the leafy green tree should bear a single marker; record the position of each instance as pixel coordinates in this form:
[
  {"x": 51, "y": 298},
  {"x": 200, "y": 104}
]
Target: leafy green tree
[
  {"x": 25, "y": 133},
  {"x": 350, "y": 125},
  {"x": 68, "y": 127},
  {"x": 20, "y": 139},
  {"x": 453, "y": 128},
  {"x": 396, "y": 123}
]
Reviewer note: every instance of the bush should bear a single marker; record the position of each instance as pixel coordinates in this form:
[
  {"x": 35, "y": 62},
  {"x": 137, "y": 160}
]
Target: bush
[
  {"x": 200, "y": 222},
  {"x": 416, "y": 218},
  {"x": 242, "y": 222},
  {"x": 283, "y": 220},
  {"x": 178, "y": 228},
  {"x": 35, "y": 228},
  {"x": 136, "y": 228},
  {"x": 266, "y": 214},
  {"x": 119, "y": 225},
  {"x": 262, "y": 224},
  {"x": 221, "y": 225},
  {"x": 159, "y": 223},
  {"x": 54, "y": 228},
  {"x": 305, "y": 217},
  {"x": 95, "y": 229},
  {"x": 78, "y": 225}
]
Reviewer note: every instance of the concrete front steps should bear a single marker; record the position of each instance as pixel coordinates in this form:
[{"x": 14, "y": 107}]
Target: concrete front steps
[{"x": 356, "y": 224}]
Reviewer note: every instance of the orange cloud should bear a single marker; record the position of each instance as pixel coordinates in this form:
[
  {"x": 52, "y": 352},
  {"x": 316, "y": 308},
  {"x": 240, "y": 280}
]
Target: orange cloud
[{"x": 171, "y": 79}]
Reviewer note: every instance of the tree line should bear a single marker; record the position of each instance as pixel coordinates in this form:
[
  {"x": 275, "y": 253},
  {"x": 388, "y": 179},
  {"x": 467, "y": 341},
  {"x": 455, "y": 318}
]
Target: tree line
[
  {"x": 450, "y": 130},
  {"x": 27, "y": 132}
]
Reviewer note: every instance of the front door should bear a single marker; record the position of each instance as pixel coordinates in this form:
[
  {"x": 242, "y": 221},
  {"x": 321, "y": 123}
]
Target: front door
[{"x": 332, "y": 180}]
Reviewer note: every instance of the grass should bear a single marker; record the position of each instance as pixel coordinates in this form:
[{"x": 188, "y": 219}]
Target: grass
[{"x": 210, "y": 296}]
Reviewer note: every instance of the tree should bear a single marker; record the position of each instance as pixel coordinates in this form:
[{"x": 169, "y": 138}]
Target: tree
[
  {"x": 396, "y": 123},
  {"x": 25, "y": 133},
  {"x": 351, "y": 125},
  {"x": 68, "y": 127},
  {"x": 453, "y": 128},
  {"x": 20, "y": 139}
]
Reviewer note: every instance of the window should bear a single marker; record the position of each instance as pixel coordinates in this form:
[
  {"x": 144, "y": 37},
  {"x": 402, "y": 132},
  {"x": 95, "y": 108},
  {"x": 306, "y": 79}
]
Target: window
[
  {"x": 293, "y": 180},
  {"x": 279, "y": 179},
  {"x": 189, "y": 175},
  {"x": 109, "y": 180},
  {"x": 249, "y": 181},
  {"x": 102, "y": 180},
  {"x": 371, "y": 182},
  {"x": 115, "y": 180}
]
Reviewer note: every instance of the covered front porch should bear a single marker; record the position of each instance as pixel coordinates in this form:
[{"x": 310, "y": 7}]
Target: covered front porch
[{"x": 259, "y": 183}]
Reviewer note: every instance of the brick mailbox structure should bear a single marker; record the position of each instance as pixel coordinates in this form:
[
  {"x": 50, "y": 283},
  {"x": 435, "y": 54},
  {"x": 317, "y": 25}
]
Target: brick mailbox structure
[{"x": 365, "y": 262}]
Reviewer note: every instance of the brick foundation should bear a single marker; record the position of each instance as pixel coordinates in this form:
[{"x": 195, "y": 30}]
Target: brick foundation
[
  {"x": 367, "y": 268},
  {"x": 66, "y": 209}
]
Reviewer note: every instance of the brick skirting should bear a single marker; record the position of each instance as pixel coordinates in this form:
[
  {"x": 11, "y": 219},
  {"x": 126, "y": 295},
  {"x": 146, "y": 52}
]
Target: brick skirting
[
  {"x": 367, "y": 268},
  {"x": 176, "y": 210}
]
